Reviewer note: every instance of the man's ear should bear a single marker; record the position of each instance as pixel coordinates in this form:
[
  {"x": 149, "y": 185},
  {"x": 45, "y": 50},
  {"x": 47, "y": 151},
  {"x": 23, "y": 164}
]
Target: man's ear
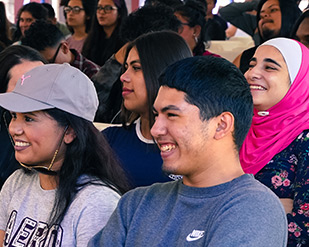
[
  {"x": 69, "y": 135},
  {"x": 54, "y": 20},
  {"x": 65, "y": 47},
  {"x": 225, "y": 125}
]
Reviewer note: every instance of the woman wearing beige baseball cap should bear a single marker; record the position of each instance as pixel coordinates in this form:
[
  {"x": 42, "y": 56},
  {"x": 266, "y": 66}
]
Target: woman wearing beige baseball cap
[{"x": 71, "y": 182}]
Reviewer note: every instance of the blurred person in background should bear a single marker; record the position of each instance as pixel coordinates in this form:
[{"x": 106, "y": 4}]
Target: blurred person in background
[
  {"x": 275, "y": 18},
  {"x": 301, "y": 29},
  {"x": 28, "y": 14},
  {"x": 50, "y": 42},
  {"x": 215, "y": 25},
  {"x": 146, "y": 19},
  {"x": 242, "y": 15},
  {"x": 192, "y": 17},
  {"x": 79, "y": 15},
  {"x": 52, "y": 18},
  {"x": 104, "y": 38},
  {"x": 5, "y": 29}
]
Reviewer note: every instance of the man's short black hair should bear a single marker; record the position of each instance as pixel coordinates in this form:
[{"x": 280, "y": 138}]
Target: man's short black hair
[
  {"x": 215, "y": 86},
  {"x": 50, "y": 9},
  {"x": 171, "y": 3},
  {"x": 42, "y": 35},
  {"x": 149, "y": 19}
]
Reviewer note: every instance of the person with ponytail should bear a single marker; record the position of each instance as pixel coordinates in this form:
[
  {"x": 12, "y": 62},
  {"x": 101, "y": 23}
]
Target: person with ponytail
[{"x": 192, "y": 17}]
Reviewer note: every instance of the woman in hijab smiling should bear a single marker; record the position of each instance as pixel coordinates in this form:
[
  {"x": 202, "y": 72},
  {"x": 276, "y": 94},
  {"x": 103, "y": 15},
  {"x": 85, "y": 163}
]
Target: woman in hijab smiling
[{"x": 276, "y": 149}]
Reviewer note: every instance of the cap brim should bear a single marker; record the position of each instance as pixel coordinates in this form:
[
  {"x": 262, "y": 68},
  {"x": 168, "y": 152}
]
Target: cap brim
[{"x": 19, "y": 103}]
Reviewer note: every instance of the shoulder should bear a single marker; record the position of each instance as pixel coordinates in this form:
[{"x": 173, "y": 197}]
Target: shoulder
[
  {"x": 89, "y": 68},
  {"x": 150, "y": 195},
  {"x": 89, "y": 211},
  {"x": 252, "y": 212},
  {"x": 110, "y": 69},
  {"x": 115, "y": 128},
  {"x": 90, "y": 64},
  {"x": 115, "y": 131},
  {"x": 131, "y": 135},
  {"x": 247, "y": 181},
  {"x": 19, "y": 178},
  {"x": 69, "y": 38},
  {"x": 96, "y": 193},
  {"x": 157, "y": 189},
  {"x": 20, "y": 182},
  {"x": 97, "y": 197},
  {"x": 253, "y": 194},
  {"x": 299, "y": 145},
  {"x": 77, "y": 58},
  {"x": 247, "y": 201}
]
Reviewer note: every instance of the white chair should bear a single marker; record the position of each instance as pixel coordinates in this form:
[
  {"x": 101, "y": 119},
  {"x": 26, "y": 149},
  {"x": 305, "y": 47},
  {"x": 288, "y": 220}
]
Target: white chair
[{"x": 230, "y": 49}]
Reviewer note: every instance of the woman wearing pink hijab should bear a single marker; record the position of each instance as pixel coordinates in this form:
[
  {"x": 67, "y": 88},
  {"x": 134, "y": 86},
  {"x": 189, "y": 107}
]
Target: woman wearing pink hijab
[{"x": 276, "y": 149}]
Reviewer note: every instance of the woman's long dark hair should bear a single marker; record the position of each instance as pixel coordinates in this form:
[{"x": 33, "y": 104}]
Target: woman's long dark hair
[
  {"x": 88, "y": 154},
  {"x": 5, "y": 33},
  {"x": 96, "y": 47},
  {"x": 164, "y": 48},
  {"x": 195, "y": 13},
  {"x": 37, "y": 10}
]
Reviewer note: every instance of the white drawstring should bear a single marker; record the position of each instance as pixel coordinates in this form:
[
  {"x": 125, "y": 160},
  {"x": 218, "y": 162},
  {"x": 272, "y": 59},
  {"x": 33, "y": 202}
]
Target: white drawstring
[{"x": 263, "y": 113}]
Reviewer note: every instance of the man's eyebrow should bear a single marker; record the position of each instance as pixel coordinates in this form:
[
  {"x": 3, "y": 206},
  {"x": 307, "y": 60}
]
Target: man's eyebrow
[
  {"x": 275, "y": 4},
  {"x": 269, "y": 60},
  {"x": 170, "y": 107}
]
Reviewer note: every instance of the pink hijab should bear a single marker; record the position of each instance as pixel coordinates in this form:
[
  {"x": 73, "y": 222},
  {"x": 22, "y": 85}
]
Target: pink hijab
[{"x": 270, "y": 134}]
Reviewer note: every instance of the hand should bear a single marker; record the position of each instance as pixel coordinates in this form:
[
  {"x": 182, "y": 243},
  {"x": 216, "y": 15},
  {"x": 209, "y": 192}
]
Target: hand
[
  {"x": 120, "y": 54},
  {"x": 287, "y": 204}
]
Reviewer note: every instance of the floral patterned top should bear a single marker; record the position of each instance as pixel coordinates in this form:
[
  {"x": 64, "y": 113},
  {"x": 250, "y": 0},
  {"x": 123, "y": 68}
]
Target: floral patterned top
[{"x": 287, "y": 175}]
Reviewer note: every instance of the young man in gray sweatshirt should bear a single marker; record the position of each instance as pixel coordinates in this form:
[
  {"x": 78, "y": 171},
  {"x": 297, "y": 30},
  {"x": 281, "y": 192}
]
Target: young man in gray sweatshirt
[{"x": 203, "y": 112}]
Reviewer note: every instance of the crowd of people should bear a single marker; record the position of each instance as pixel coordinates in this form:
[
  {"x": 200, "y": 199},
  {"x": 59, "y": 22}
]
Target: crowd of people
[{"x": 198, "y": 151}]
